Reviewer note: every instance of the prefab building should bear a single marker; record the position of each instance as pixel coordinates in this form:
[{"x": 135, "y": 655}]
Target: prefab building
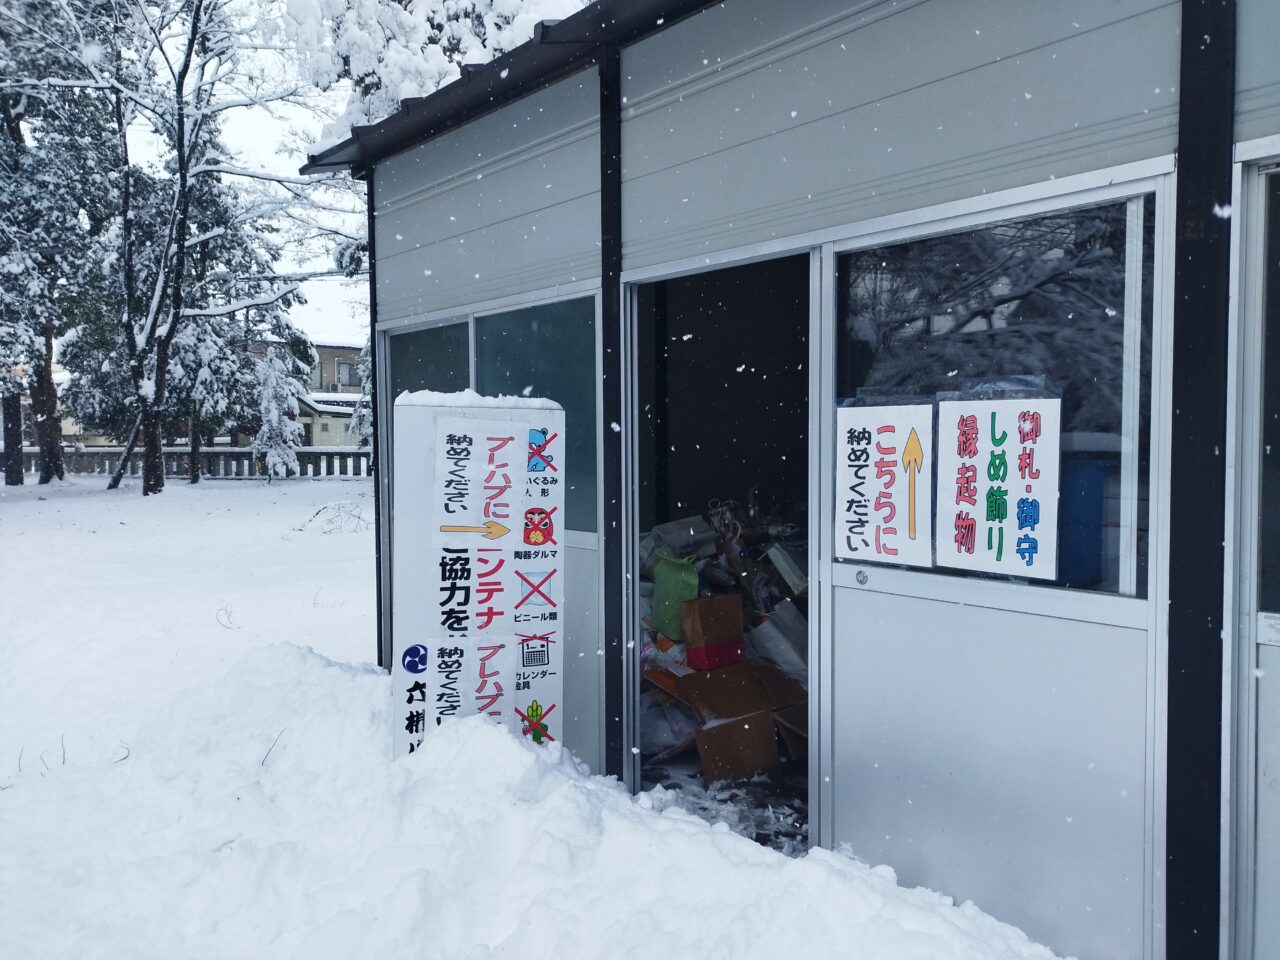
[{"x": 727, "y": 237}]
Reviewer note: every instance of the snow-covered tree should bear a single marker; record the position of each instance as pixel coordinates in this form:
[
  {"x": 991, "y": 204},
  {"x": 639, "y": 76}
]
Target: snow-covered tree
[
  {"x": 361, "y": 425},
  {"x": 1005, "y": 300},
  {"x": 394, "y": 50},
  {"x": 236, "y": 308},
  {"x": 171, "y": 69},
  {"x": 280, "y": 434},
  {"x": 55, "y": 176}
]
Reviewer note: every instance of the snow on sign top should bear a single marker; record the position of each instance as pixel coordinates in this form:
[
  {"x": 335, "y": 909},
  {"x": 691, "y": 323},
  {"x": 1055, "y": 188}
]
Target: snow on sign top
[{"x": 469, "y": 398}]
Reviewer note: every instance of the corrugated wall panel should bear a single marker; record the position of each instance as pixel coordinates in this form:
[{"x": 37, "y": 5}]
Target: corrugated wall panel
[
  {"x": 505, "y": 204},
  {"x": 732, "y": 136},
  {"x": 1257, "y": 69}
]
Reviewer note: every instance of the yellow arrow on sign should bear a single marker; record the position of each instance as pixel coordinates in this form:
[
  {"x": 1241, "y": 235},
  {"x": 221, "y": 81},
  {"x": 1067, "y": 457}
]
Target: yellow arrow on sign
[
  {"x": 912, "y": 462},
  {"x": 491, "y": 529}
]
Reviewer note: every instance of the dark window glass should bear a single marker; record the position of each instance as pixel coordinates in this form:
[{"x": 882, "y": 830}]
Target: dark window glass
[
  {"x": 432, "y": 359},
  {"x": 550, "y": 351},
  {"x": 1044, "y": 300},
  {"x": 1269, "y": 512}
]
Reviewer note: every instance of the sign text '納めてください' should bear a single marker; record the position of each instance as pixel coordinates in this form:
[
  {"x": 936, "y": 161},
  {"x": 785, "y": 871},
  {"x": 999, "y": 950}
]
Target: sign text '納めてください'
[
  {"x": 488, "y": 635},
  {"x": 998, "y": 480},
  {"x": 884, "y": 484}
]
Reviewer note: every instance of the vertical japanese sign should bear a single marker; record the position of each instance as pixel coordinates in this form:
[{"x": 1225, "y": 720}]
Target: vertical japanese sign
[
  {"x": 478, "y": 598},
  {"x": 998, "y": 479},
  {"x": 884, "y": 484}
]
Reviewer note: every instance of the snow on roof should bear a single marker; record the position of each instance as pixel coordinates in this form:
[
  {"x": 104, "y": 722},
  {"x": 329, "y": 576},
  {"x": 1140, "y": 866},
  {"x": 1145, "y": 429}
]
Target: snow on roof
[
  {"x": 329, "y": 403},
  {"x": 321, "y": 396},
  {"x": 469, "y": 398}
]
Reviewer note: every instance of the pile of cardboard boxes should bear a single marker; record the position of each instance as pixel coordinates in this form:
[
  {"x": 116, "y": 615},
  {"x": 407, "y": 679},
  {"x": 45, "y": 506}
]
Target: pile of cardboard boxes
[{"x": 724, "y": 659}]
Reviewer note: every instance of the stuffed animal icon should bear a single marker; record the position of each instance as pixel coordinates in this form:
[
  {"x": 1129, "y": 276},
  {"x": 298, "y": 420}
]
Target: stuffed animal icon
[{"x": 539, "y": 459}]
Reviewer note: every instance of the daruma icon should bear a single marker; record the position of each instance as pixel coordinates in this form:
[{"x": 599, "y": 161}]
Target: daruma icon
[{"x": 539, "y": 529}]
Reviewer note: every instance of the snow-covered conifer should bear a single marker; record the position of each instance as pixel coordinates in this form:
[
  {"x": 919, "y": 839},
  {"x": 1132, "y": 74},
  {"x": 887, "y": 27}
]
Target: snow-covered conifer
[
  {"x": 280, "y": 434},
  {"x": 361, "y": 425}
]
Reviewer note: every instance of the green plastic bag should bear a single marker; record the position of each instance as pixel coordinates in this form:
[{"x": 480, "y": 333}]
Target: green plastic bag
[{"x": 674, "y": 582}]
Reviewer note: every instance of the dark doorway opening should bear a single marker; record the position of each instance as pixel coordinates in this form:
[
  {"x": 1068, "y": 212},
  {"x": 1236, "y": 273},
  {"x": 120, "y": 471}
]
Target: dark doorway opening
[{"x": 723, "y": 483}]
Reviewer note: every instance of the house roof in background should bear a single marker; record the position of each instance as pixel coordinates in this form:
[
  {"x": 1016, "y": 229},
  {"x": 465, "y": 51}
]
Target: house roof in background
[
  {"x": 327, "y": 403},
  {"x": 557, "y": 49}
]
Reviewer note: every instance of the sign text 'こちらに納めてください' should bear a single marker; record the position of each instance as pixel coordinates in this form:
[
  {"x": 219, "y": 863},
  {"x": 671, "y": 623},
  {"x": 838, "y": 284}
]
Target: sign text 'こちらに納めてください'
[{"x": 884, "y": 484}]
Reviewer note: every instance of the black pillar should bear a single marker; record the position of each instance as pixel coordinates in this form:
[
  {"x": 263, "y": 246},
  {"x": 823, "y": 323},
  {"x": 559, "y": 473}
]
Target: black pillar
[
  {"x": 1198, "y": 479},
  {"x": 376, "y": 460},
  {"x": 613, "y": 372}
]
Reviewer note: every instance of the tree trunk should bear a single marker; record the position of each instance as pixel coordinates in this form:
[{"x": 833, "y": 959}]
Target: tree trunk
[
  {"x": 195, "y": 429},
  {"x": 123, "y": 465},
  {"x": 44, "y": 409},
  {"x": 12, "y": 409},
  {"x": 152, "y": 451}
]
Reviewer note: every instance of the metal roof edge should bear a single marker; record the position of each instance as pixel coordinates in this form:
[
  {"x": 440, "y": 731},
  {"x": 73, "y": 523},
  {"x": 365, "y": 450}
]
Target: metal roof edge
[{"x": 558, "y": 48}]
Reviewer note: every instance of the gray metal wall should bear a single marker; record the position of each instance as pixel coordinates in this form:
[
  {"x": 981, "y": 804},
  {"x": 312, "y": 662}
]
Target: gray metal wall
[
  {"x": 994, "y": 755},
  {"x": 999, "y": 757},
  {"x": 757, "y": 119},
  {"x": 506, "y": 204},
  {"x": 1267, "y": 882},
  {"x": 1257, "y": 69}
]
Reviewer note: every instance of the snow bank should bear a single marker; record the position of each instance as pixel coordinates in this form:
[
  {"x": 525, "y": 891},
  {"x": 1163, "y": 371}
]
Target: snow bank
[
  {"x": 257, "y": 814},
  {"x": 177, "y": 782}
]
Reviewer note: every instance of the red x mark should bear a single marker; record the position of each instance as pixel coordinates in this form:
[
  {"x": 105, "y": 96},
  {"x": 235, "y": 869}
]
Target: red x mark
[
  {"x": 537, "y": 451},
  {"x": 535, "y": 588},
  {"x": 528, "y": 726},
  {"x": 538, "y": 637}
]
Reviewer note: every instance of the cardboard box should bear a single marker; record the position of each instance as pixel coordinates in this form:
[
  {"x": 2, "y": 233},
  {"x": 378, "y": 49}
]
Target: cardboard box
[
  {"x": 782, "y": 690},
  {"x": 743, "y": 708},
  {"x": 724, "y": 694},
  {"x": 733, "y": 749},
  {"x": 793, "y": 725},
  {"x": 712, "y": 631}
]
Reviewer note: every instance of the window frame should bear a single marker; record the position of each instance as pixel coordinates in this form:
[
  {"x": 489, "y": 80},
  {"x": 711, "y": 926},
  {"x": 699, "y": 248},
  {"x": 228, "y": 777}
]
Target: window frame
[
  {"x": 1254, "y": 161},
  {"x": 1066, "y": 603},
  {"x": 388, "y": 331},
  {"x": 1129, "y": 527}
]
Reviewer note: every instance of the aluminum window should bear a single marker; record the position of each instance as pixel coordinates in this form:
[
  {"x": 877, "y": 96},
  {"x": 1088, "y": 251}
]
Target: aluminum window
[
  {"x": 549, "y": 351},
  {"x": 1060, "y": 302},
  {"x": 546, "y": 350}
]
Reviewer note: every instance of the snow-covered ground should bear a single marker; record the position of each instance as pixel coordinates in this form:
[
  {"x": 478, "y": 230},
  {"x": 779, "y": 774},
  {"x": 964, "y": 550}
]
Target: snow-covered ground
[{"x": 195, "y": 762}]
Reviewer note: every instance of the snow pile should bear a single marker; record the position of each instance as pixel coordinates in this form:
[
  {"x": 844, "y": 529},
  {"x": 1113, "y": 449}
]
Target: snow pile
[
  {"x": 224, "y": 794},
  {"x": 257, "y": 814}
]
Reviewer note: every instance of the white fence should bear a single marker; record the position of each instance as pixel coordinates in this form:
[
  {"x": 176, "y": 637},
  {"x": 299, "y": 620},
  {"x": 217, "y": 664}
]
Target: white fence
[{"x": 229, "y": 463}]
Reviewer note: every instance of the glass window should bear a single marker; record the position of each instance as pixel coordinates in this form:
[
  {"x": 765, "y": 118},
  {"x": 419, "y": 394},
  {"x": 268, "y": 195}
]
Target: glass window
[
  {"x": 1060, "y": 303},
  {"x": 1269, "y": 512},
  {"x": 431, "y": 359},
  {"x": 550, "y": 351}
]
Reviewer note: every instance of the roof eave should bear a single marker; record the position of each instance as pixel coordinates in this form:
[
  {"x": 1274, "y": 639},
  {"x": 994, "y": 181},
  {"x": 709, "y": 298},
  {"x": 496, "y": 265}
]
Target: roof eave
[{"x": 556, "y": 49}]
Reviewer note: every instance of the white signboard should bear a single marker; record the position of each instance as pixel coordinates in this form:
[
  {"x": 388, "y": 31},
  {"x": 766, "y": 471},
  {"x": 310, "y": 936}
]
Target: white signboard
[
  {"x": 884, "y": 484},
  {"x": 998, "y": 480},
  {"x": 479, "y": 566}
]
